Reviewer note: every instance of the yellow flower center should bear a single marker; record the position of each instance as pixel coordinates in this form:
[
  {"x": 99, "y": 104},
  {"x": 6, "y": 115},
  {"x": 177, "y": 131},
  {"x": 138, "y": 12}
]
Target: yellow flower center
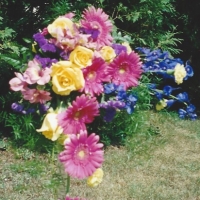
[
  {"x": 77, "y": 115},
  {"x": 91, "y": 75},
  {"x": 122, "y": 68},
  {"x": 121, "y": 71},
  {"x": 81, "y": 154}
]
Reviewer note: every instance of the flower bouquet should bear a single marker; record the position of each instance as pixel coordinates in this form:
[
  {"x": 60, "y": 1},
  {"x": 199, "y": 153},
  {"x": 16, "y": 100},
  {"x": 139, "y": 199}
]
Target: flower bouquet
[{"x": 78, "y": 72}]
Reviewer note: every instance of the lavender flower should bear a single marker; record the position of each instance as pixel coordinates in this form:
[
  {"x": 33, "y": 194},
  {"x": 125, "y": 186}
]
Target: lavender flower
[
  {"x": 45, "y": 62},
  {"x": 17, "y": 107},
  {"x": 43, "y": 43},
  {"x": 119, "y": 48}
]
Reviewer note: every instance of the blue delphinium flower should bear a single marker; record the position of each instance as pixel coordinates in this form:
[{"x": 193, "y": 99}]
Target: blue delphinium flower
[
  {"x": 170, "y": 102},
  {"x": 189, "y": 70},
  {"x": 130, "y": 101},
  {"x": 182, "y": 113},
  {"x": 111, "y": 106},
  {"x": 112, "y": 88},
  {"x": 109, "y": 88},
  {"x": 191, "y": 112},
  {"x": 188, "y": 112},
  {"x": 183, "y": 97},
  {"x": 152, "y": 55},
  {"x": 167, "y": 90}
]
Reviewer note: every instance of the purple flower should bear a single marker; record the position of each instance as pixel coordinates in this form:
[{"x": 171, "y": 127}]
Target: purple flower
[
  {"x": 64, "y": 55},
  {"x": 110, "y": 107},
  {"x": 43, "y": 43},
  {"x": 113, "y": 104},
  {"x": 93, "y": 32},
  {"x": 43, "y": 108},
  {"x": 17, "y": 107},
  {"x": 30, "y": 110},
  {"x": 40, "y": 39},
  {"x": 109, "y": 114},
  {"x": 119, "y": 48},
  {"x": 48, "y": 47},
  {"x": 45, "y": 62}
]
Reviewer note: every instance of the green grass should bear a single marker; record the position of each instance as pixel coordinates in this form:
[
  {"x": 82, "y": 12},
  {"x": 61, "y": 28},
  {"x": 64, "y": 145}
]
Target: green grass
[{"x": 159, "y": 161}]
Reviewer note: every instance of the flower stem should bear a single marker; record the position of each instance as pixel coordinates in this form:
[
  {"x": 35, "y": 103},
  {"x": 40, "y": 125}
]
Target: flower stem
[
  {"x": 52, "y": 153},
  {"x": 68, "y": 184}
]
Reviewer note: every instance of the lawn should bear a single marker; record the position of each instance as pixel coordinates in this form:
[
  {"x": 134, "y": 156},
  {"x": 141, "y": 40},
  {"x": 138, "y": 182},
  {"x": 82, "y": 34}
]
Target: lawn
[{"x": 161, "y": 165}]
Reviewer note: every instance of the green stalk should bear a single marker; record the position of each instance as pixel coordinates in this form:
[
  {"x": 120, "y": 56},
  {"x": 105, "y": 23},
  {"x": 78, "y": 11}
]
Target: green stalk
[
  {"x": 68, "y": 184},
  {"x": 52, "y": 153}
]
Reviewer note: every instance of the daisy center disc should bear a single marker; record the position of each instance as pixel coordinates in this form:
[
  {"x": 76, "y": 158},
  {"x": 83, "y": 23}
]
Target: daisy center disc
[
  {"x": 81, "y": 154},
  {"x": 91, "y": 75},
  {"x": 122, "y": 70}
]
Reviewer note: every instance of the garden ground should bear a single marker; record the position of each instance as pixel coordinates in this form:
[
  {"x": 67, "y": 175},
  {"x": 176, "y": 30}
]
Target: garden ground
[{"x": 162, "y": 166}]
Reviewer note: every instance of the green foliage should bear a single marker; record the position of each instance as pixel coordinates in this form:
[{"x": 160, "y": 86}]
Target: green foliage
[
  {"x": 169, "y": 42},
  {"x": 147, "y": 22},
  {"x": 141, "y": 23},
  {"x": 24, "y": 131}
]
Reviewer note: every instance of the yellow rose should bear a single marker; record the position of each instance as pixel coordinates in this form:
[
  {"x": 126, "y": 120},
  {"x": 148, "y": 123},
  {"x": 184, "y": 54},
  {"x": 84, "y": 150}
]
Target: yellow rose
[
  {"x": 161, "y": 104},
  {"x": 66, "y": 77},
  {"x": 96, "y": 178},
  {"x": 50, "y": 128},
  {"x": 107, "y": 53},
  {"x": 179, "y": 73},
  {"x": 81, "y": 56},
  {"x": 60, "y": 24},
  {"x": 126, "y": 44}
]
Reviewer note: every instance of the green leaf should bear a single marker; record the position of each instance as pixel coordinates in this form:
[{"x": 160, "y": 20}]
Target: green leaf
[
  {"x": 27, "y": 40},
  {"x": 11, "y": 61}
]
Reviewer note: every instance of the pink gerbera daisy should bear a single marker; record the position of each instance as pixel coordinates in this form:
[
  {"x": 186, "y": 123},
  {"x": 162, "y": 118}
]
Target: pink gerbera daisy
[
  {"x": 82, "y": 155},
  {"x": 94, "y": 76},
  {"x": 82, "y": 111},
  {"x": 125, "y": 69},
  {"x": 96, "y": 21}
]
